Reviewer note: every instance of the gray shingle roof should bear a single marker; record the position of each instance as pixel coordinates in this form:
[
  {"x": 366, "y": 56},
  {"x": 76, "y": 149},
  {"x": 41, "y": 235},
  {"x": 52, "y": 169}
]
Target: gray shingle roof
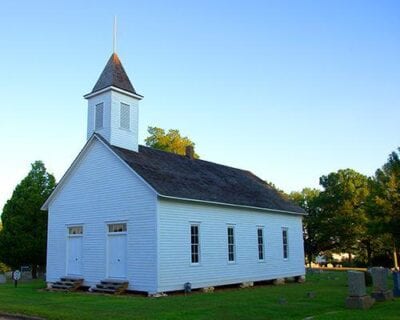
[
  {"x": 114, "y": 75},
  {"x": 178, "y": 176}
]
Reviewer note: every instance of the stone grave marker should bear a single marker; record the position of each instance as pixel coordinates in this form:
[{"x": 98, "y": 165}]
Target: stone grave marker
[
  {"x": 379, "y": 280},
  {"x": 396, "y": 284},
  {"x": 357, "y": 298},
  {"x": 3, "y": 278},
  {"x": 26, "y": 273}
]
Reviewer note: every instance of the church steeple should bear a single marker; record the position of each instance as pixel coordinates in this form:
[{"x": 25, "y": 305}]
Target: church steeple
[
  {"x": 113, "y": 107},
  {"x": 114, "y": 75}
]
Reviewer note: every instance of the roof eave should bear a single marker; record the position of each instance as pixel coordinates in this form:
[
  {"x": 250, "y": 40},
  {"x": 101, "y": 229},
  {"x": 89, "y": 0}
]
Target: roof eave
[
  {"x": 131, "y": 94},
  {"x": 233, "y": 205}
]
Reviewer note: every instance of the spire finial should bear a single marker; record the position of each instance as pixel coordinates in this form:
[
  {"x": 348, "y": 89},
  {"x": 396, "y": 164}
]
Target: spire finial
[{"x": 115, "y": 35}]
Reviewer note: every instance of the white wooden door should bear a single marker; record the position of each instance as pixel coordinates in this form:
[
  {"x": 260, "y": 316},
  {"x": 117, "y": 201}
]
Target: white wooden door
[
  {"x": 117, "y": 256},
  {"x": 74, "y": 255}
]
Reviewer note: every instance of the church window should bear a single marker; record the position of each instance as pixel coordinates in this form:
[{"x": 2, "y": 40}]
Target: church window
[
  {"x": 195, "y": 243},
  {"x": 285, "y": 243},
  {"x": 260, "y": 242},
  {"x": 231, "y": 244}
]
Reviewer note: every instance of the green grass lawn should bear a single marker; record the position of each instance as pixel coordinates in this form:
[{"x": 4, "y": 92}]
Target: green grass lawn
[{"x": 260, "y": 302}]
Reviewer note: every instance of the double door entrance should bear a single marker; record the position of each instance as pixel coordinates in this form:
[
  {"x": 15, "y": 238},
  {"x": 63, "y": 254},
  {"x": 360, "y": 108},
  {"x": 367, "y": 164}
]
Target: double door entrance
[{"x": 116, "y": 251}]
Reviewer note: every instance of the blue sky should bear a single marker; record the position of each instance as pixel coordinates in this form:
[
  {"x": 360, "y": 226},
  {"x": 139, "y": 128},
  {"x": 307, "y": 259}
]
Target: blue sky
[{"x": 290, "y": 90}]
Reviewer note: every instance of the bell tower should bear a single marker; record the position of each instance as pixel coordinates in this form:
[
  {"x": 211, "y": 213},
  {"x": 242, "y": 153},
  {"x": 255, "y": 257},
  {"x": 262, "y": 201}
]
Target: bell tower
[{"x": 113, "y": 107}]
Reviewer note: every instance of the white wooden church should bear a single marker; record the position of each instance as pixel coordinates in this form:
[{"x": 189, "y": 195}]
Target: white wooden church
[{"x": 156, "y": 220}]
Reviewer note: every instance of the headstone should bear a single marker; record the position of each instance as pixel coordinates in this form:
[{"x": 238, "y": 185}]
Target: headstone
[
  {"x": 26, "y": 275},
  {"x": 380, "y": 289},
  {"x": 356, "y": 282},
  {"x": 26, "y": 272},
  {"x": 207, "y": 289},
  {"x": 396, "y": 284},
  {"x": 357, "y": 298},
  {"x": 3, "y": 278}
]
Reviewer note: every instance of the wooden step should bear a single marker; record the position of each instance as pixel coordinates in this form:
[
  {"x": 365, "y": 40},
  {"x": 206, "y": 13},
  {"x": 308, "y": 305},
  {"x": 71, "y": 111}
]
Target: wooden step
[
  {"x": 111, "y": 286},
  {"x": 102, "y": 286},
  {"x": 59, "y": 286},
  {"x": 114, "y": 282},
  {"x": 67, "y": 284},
  {"x": 71, "y": 279},
  {"x": 103, "y": 290}
]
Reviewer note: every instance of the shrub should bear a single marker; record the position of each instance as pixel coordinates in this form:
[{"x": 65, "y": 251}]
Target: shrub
[{"x": 4, "y": 268}]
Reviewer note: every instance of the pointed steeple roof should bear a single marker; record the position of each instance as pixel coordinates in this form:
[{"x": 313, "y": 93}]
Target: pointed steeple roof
[{"x": 114, "y": 75}]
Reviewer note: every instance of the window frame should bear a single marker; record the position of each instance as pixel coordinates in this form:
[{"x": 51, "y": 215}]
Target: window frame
[
  {"x": 71, "y": 226},
  {"x": 262, "y": 244},
  {"x": 109, "y": 224},
  {"x": 98, "y": 105},
  {"x": 231, "y": 245},
  {"x": 197, "y": 225},
  {"x": 121, "y": 105},
  {"x": 285, "y": 244}
]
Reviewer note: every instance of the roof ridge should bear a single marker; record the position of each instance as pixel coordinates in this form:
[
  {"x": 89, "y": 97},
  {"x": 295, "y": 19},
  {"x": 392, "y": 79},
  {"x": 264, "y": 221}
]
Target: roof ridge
[{"x": 207, "y": 161}]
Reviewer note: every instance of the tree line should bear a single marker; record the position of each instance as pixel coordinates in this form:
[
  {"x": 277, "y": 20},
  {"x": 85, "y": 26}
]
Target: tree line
[{"x": 354, "y": 213}]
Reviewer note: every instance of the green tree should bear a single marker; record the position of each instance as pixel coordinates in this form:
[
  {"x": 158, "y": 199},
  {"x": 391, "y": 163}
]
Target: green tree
[
  {"x": 315, "y": 241},
  {"x": 343, "y": 202},
  {"x": 387, "y": 198},
  {"x": 172, "y": 141},
  {"x": 3, "y": 267},
  {"x": 24, "y": 234}
]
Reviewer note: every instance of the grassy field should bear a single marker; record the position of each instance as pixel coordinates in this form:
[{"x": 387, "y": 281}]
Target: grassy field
[{"x": 259, "y": 302}]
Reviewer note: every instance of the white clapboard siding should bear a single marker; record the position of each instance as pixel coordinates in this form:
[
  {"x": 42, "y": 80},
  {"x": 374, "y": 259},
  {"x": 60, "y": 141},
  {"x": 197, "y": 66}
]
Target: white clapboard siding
[
  {"x": 112, "y": 131},
  {"x": 174, "y": 245},
  {"x": 121, "y": 137},
  {"x": 105, "y": 99},
  {"x": 102, "y": 189}
]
